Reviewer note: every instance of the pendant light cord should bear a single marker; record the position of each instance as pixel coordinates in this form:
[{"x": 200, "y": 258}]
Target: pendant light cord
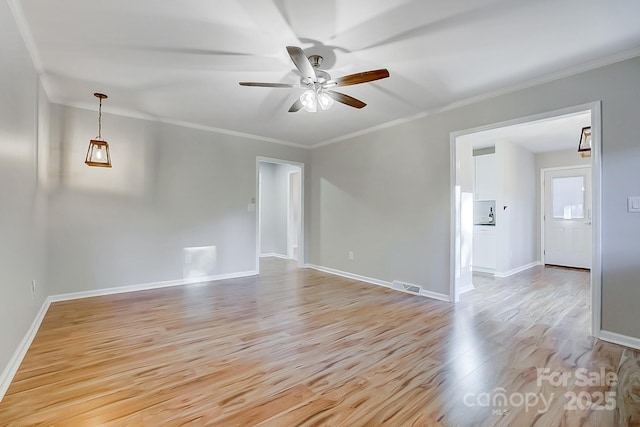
[{"x": 100, "y": 121}]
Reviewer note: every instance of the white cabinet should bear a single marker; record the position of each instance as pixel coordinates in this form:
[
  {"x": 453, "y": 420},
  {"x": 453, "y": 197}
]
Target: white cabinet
[
  {"x": 486, "y": 177},
  {"x": 485, "y": 254}
]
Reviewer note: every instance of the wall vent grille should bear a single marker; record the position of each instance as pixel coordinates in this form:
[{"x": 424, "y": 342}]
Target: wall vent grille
[{"x": 406, "y": 287}]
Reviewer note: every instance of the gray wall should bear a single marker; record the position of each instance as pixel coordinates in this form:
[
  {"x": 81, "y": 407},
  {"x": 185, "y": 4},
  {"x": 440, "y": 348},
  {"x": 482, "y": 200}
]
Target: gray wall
[
  {"x": 553, "y": 159},
  {"x": 516, "y": 225},
  {"x": 385, "y": 194},
  {"x": 23, "y": 111},
  {"x": 170, "y": 188}
]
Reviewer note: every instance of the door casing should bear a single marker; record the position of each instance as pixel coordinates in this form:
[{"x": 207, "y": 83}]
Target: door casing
[
  {"x": 595, "y": 108},
  {"x": 301, "y": 235}
]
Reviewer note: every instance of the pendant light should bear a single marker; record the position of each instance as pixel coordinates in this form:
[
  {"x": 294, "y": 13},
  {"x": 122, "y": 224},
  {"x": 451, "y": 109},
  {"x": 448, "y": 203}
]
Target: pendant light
[
  {"x": 98, "y": 151},
  {"x": 584, "y": 146}
]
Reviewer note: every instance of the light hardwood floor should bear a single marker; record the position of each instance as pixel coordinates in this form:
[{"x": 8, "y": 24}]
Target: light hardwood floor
[{"x": 300, "y": 347}]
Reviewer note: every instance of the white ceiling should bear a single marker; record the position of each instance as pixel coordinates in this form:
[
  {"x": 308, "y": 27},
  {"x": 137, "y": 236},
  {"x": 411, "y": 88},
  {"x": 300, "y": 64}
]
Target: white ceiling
[
  {"x": 558, "y": 133},
  {"x": 181, "y": 61}
]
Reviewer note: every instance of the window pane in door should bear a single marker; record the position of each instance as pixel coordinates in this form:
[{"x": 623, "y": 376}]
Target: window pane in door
[{"x": 568, "y": 197}]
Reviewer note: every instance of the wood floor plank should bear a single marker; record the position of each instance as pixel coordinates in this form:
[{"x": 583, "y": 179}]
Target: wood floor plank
[{"x": 300, "y": 347}]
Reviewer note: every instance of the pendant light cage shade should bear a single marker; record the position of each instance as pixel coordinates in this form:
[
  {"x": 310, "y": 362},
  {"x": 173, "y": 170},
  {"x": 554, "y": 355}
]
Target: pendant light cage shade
[
  {"x": 98, "y": 151},
  {"x": 98, "y": 154},
  {"x": 584, "y": 146}
]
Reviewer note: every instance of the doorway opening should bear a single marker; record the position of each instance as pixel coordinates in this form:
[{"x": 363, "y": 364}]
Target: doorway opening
[
  {"x": 280, "y": 201},
  {"x": 500, "y": 197}
]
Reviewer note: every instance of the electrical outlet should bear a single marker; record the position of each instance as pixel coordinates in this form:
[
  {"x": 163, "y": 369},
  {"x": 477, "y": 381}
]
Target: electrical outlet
[
  {"x": 350, "y": 254},
  {"x": 33, "y": 287}
]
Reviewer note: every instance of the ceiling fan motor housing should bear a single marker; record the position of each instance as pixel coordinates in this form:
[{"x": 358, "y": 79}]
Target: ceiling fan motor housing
[
  {"x": 321, "y": 75},
  {"x": 315, "y": 60}
]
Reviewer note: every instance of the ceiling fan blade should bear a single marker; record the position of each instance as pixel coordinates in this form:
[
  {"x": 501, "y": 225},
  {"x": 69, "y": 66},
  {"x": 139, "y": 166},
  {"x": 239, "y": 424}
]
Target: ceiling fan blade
[
  {"x": 346, "y": 99},
  {"x": 296, "y": 106},
  {"x": 302, "y": 63},
  {"x": 265, "y": 84},
  {"x": 357, "y": 78}
]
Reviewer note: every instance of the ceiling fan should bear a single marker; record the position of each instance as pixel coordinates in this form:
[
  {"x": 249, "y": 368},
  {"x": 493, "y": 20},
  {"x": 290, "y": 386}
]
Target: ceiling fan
[{"x": 318, "y": 83}]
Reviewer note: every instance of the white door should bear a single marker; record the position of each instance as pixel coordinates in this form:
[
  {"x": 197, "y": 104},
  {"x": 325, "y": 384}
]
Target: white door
[{"x": 567, "y": 217}]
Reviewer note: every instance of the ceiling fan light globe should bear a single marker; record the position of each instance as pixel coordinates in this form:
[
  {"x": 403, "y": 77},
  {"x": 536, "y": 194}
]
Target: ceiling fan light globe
[
  {"x": 325, "y": 101},
  {"x": 311, "y": 108},
  {"x": 308, "y": 99}
]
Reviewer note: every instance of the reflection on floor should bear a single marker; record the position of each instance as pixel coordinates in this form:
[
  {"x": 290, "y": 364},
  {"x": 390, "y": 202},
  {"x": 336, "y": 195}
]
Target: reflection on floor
[
  {"x": 300, "y": 347},
  {"x": 557, "y": 301}
]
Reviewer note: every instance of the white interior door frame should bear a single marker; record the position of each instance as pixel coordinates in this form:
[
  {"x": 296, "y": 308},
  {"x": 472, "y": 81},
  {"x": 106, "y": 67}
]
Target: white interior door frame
[
  {"x": 301, "y": 236},
  {"x": 543, "y": 204},
  {"x": 596, "y": 174},
  {"x": 290, "y": 216}
]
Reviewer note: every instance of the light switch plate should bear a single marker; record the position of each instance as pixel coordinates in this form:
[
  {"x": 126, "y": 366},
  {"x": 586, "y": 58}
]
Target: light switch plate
[{"x": 633, "y": 204}]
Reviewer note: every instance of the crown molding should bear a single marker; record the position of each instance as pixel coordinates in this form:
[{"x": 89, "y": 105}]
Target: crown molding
[
  {"x": 185, "y": 124},
  {"x": 572, "y": 71}
]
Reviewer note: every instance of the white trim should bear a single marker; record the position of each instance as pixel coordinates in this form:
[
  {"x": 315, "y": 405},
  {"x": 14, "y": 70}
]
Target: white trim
[
  {"x": 620, "y": 339},
  {"x": 123, "y": 112},
  {"x": 596, "y": 222},
  {"x": 483, "y": 270},
  {"x": 435, "y": 295},
  {"x": 592, "y": 65},
  {"x": 542, "y": 214},
  {"x": 373, "y": 281},
  {"x": 147, "y": 286},
  {"x": 273, "y": 254},
  {"x": 559, "y": 168},
  {"x": 454, "y": 293},
  {"x": 301, "y": 235},
  {"x": 348, "y": 275},
  {"x": 517, "y": 270},
  {"x": 540, "y": 117},
  {"x": 596, "y": 167},
  {"x": 230, "y": 132},
  {"x": 290, "y": 247},
  {"x": 468, "y": 288},
  {"x": 15, "y": 361}
]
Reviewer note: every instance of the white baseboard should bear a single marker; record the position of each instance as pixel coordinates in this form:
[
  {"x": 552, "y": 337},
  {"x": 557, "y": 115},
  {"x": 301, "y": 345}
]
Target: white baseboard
[
  {"x": 346, "y": 274},
  {"x": 517, "y": 270},
  {"x": 620, "y": 339},
  {"x": 467, "y": 288},
  {"x": 273, "y": 254},
  {"x": 349, "y": 275},
  {"x": 15, "y": 361},
  {"x": 435, "y": 295},
  {"x": 147, "y": 286},
  {"x": 483, "y": 270}
]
